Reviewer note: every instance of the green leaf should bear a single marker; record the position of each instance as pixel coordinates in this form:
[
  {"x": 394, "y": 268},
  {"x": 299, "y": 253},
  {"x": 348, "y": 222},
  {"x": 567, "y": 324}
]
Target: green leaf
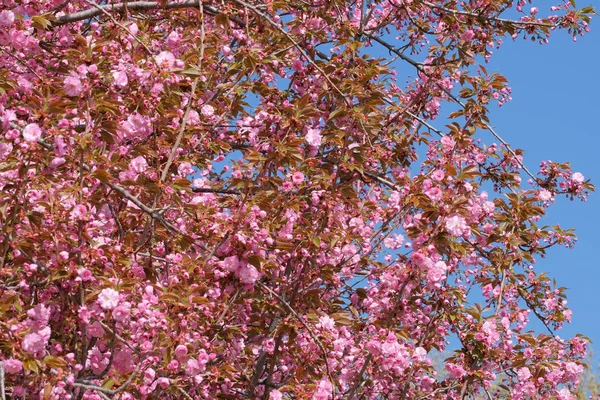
[{"x": 109, "y": 384}]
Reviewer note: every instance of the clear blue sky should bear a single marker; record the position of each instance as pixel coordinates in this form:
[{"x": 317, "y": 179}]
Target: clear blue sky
[{"x": 554, "y": 116}]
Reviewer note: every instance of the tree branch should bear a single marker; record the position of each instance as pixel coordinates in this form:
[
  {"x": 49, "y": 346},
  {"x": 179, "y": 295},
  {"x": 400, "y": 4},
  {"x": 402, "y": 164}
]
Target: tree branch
[{"x": 310, "y": 332}]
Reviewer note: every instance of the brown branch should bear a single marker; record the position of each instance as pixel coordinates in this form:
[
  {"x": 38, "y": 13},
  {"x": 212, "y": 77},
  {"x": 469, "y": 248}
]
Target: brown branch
[
  {"x": 112, "y": 392},
  {"x": 496, "y": 19},
  {"x": 305, "y": 325},
  {"x": 219, "y": 191},
  {"x": 420, "y": 68},
  {"x": 137, "y": 6},
  {"x": 296, "y": 44},
  {"x": 103, "y": 10}
]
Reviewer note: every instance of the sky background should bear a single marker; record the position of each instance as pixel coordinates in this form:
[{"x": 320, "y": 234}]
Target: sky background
[{"x": 554, "y": 116}]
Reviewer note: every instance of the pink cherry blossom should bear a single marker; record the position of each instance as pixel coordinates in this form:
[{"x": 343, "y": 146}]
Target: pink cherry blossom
[
  {"x": 35, "y": 343},
  {"x": 523, "y": 374},
  {"x": 313, "y": 137},
  {"x": 32, "y": 133},
  {"x": 120, "y": 79},
  {"x": 577, "y": 177},
  {"x": 79, "y": 212},
  {"x": 173, "y": 39},
  {"x": 468, "y": 35},
  {"x": 207, "y": 110},
  {"x": 165, "y": 59},
  {"x": 275, "y": 395},
  {"x": 456, "y": 225},
  {"x": 193, "y": 118},
  {"x": 73, "y": 85},
  {"x": 180, "y": 351},
  {"x": 545, "y": 195},
  {"x": 193, "y": 367},
  {"x": 435, "y": 193},
  {"x": 323, "y": 390},
  {"x": 437, "y": 175},
  {"x": 108, "y": 298},
  {"x": 297, "y": 178},
  {"x": 247, "y": 273},
  {"x": 455, "y": 371},
  {"x": 95, "y": 330},
  {"x": 121, "y": 313},
  {"x": 12, "y": 366},
  {"x": 297, "y": 65},
  {"x": 329, "y": 239},
  {"x": 138, "y": 165},
  {"x": 7, "y": 18}
]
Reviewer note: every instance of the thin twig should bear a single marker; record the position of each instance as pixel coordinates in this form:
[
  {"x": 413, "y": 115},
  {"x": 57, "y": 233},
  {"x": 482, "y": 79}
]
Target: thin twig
[
  {"x": 296, "y": 44},
  {"x": 103, "y": 11},
  {"x": 502, "y": 20},
  {"x": 310, "y": 332}
]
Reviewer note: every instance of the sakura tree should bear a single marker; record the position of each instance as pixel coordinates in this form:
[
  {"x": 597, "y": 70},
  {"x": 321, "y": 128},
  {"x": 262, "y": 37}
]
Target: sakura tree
[{"x": 243, "y": 199}]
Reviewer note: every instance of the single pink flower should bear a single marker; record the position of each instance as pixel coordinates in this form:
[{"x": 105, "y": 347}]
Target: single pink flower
[
  {"x": 247, "y": 273},
  {"x": 297, "y": 177},
  {"x": 544, "y": 195},
  {"x": 437, "y": 175},
  {"x": 79, "y": 212},
  {"x": 12, "y": 366},
  {"x": 121, "y": 313},
  {"x": 7, "y": 18},
  {"x": 73, "y": 86},
  {"x": 577, "y": 177},
  {"x": 275, "y": 395},
  {"x": 456, "y": 225},
  {"x": 32, "y": 133},
  {"x": 165, "y": 59},
  {"x": 138, "y": 165},
  {"x": 313, "y": 137},
  {"x": 467, "y": 35},
  {"x": 95, "y": 330},
  {"x": 120, "y": 79},
  {"x": 435, "y": 193},
  {"x": 297, "y": 65},
  {"x": 180, "y": 351},
  {"x": 207, "y": 110},
  {"x": 163, "y": 382},
  {"x": 192, "y": 367},
  {"x": 193, "y": 118},
  {"x": 323, "y": 390},
  {"x": 35, "y": 343},
  {"x": 108, "y": 298}
]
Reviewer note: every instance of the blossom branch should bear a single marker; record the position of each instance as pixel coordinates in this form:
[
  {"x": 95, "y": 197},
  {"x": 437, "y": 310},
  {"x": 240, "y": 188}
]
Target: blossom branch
[
  {"x": 305, "y": 325},
  {"x": 496, "y": 19},
  {"x": 103, "y": 11},
  {"x": 296, "y": 45},
  {"x": 134, "y": 5},
  {"x": 420, "y": 68}
]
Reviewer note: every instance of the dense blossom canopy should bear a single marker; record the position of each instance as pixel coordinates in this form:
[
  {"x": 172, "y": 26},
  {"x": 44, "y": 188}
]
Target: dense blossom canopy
[{"x": 238, "y": 199}]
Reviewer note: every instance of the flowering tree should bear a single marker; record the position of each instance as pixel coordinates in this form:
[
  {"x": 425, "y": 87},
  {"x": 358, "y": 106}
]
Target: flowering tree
[{"x": 233, "y": 199}]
